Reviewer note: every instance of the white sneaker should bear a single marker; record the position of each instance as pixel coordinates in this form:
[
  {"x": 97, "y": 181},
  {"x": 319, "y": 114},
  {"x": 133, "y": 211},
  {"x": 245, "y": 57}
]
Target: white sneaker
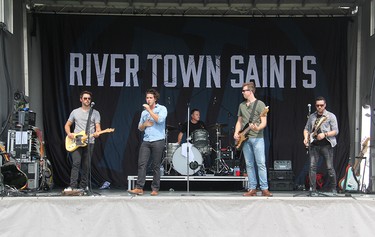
[{"x": 68, "y": 189}]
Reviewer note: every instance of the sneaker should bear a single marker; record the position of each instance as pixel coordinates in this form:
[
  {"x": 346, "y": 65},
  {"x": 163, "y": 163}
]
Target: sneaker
[
  {"x": 105, "y": 185},
  {"x": 78, "y": 190},
  {"x": 334, "y": 192},
  {"x": 136, "y": 191},
  {"x": 68, "y": 189},
  {"x": 154, "y": 193}
]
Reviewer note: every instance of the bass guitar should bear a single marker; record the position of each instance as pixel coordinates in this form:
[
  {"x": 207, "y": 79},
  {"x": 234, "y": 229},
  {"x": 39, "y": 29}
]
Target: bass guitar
[
  {"x": 80, "y": 139},
  {"x": 350, "y": 181},
  {"x": 243, "y": 133}
]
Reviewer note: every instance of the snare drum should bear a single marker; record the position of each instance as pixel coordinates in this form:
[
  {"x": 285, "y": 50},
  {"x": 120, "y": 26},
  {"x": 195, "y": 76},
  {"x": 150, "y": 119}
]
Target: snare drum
[{"x": 180, "y": 164}]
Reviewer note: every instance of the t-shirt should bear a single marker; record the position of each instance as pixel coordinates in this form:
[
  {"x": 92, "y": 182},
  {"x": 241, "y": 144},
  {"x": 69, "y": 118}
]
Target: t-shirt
[
  {"x": 245, "y": 112},
  {"x": 79, "y": 118}
]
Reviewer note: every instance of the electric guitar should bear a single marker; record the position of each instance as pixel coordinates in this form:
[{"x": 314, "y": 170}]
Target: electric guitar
[
  {"x": 80, "y": 139},
  {"x": 350, "y": 181},
  {"x": 315, "y": 133},
  {"x": 243, "y": 133}
]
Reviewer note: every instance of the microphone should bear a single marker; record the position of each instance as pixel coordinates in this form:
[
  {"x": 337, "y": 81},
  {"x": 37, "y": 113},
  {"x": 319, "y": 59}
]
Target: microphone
[
  {"x": 169, "y": 100},
  {"x": 309, "y": 106},
  {"x": 214, "y": 101},
  {"x": 92, "y": 104}
]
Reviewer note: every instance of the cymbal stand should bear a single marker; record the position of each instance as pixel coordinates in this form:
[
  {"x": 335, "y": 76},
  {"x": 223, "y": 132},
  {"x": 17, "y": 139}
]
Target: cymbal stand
[
  {"x": 220, "y": 163},
  {"x": 165, "y": 158}
]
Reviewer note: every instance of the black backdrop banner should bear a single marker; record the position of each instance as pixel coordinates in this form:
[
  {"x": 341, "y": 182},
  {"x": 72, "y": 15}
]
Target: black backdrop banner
[{"x": 201, "y": 62}]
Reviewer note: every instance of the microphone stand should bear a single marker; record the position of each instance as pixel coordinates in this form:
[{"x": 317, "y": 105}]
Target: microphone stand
[
  {"x": 90, "y": 192},
  {"x": 187, "y": 153}
]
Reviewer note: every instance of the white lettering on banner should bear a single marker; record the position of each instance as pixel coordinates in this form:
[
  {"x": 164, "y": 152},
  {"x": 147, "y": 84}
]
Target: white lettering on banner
[
  {"x": 306, "y": 61},
  {"x": 277, "y": 75},
  {"x": 77, "y": 66},
  {"x": 271, "y": 71},
  {"x": 154, "y": 62}
]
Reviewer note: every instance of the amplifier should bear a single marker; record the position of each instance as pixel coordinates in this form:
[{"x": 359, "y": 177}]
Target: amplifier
[
  {"x": 281, "y": 185},
  {"x": 31, "y": 169},
  {"x": 227, "y": 155},
  {"x": 280, "y": 175},
  {"x": 282, "y": 165}
]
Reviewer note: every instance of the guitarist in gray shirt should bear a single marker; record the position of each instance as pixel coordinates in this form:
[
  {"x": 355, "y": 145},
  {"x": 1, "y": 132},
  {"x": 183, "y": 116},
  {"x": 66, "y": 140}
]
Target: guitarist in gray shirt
[
  {"x": 79, "y": 118},
  {"x": 320, "y": 138},
  {"x": 252, "y": 120}
]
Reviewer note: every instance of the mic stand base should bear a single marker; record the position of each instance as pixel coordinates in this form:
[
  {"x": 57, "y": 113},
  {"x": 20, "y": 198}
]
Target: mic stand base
[
  {"x": 187, "y": 194},
  {"x": 311, "y": 193}
]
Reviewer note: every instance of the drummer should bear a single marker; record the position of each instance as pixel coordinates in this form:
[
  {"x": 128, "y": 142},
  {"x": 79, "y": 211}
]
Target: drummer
[{"x": 195, "y": 123}]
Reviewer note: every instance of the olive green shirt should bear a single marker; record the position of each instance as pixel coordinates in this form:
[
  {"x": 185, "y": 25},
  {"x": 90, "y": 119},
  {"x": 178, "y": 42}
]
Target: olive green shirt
[{"x": 245, "y": 112}]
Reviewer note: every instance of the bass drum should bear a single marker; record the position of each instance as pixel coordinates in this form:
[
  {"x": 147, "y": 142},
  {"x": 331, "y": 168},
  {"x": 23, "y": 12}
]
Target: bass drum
[{"x": 179, "y": 161}]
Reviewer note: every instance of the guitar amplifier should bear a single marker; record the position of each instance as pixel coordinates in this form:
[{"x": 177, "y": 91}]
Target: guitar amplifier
[
  {"x": 31, "y": 169},
  {"x": 227, "y": 155},
  {"x": 280, "y": 175},
  {"x": 282, "y": 165}
]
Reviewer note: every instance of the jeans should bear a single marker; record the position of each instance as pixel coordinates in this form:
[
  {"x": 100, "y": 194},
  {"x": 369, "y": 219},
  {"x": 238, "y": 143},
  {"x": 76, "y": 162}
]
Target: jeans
[
  {"x": 254, "y": 151},
  {"x": 326, "y": 152},
  {"x": 155, "y": 151},
  {"x": 80, "y": 157}
]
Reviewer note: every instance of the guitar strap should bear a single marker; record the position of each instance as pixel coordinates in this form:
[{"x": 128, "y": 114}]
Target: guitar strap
[{"x": 253, "y": 111}]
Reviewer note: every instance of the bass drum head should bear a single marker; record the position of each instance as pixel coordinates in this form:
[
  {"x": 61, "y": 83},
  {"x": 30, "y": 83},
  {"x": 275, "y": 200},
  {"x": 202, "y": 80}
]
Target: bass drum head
[{"x": 179, "y": 161}]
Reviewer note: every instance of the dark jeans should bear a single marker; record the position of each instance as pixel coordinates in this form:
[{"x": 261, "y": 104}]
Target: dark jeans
[
  {"x": 80, "y": 157},
  {"x": 326, "y": 152},
  {"x": 155, "y": 151}
]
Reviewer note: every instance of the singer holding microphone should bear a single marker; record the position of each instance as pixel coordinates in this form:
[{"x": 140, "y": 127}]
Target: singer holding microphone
[
  {"x": 152, "y": 123},
  {"x": 320, "y": 138},
  {"x": 80, "y": 117}
]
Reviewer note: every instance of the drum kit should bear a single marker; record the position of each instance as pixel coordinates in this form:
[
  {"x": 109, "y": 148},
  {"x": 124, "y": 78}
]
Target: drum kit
[{"x": 200, "y": 151}]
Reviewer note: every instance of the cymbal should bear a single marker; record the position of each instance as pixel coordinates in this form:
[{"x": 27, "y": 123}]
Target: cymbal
[
  {"x": 171, "y": 128},
  {"x": 217, "y": 125}
]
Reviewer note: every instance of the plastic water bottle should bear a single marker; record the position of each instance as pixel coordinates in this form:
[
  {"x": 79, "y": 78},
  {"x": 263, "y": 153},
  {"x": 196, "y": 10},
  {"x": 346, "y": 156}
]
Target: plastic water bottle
[
  {"x": 161, "y": 170},
  {"x": 236, "y": 171}
]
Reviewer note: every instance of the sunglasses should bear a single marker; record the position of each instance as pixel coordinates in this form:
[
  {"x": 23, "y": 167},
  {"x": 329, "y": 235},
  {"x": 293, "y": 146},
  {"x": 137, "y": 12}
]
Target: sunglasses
[
  {"x": 245, "y": 90},
  {"x": 86, "y": 98},
  {"x": 319, "y": 105}
]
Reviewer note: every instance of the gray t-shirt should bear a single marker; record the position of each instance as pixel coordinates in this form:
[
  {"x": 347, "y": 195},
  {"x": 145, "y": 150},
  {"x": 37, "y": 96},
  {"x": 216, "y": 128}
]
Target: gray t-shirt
[{"x": 79, "y": 118}]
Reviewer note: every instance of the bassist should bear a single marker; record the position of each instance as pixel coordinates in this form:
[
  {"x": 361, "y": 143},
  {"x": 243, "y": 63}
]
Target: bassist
[
  {"x": 80, "y": 117},
  {"x": 320, "y": 138},
  {"x": 253, "y": 148}
]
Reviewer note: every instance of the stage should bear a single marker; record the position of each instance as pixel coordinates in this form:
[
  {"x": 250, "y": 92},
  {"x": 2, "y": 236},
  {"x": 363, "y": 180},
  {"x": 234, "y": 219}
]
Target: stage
[{"x": 113, "y": 212}]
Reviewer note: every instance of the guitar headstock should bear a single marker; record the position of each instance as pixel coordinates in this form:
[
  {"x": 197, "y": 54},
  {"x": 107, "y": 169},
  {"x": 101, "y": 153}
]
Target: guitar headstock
[
  {"x": 109, "y": 130},
  {"x": 364, "y": 147}
]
